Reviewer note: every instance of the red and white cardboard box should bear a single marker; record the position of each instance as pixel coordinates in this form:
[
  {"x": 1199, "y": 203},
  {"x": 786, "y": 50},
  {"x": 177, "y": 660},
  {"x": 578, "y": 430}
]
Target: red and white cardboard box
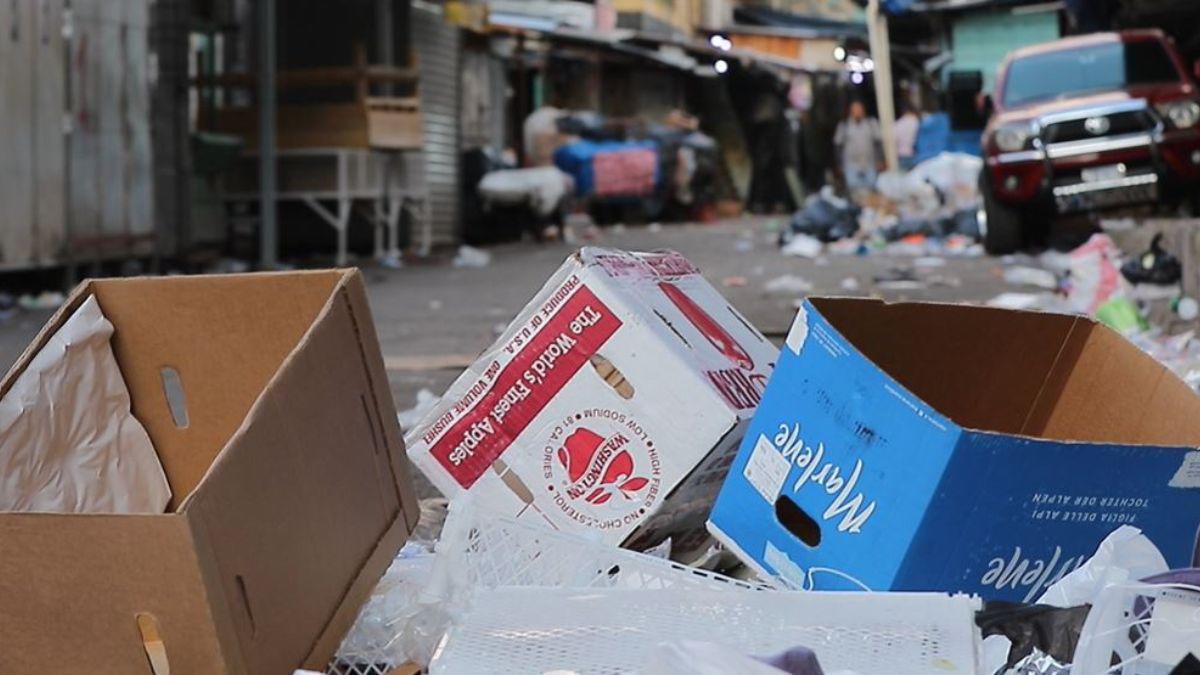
[{"x": 614, "y": 403}]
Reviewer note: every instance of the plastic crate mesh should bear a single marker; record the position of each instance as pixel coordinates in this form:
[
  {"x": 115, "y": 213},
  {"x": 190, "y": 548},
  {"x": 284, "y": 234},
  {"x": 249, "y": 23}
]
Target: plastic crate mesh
[
  {"x": 615, "y": 631},
  {"x": 479, "y": 552}
]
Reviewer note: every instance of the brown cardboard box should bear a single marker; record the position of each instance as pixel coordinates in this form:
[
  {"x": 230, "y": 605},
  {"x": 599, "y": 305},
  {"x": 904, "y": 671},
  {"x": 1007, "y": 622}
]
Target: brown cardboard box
[{"x": 290, "y": 483}]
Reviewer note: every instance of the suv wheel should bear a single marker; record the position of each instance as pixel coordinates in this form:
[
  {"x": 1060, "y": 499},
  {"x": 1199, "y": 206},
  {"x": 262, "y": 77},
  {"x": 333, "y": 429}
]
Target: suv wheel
[{"x": 1001, "y": 226}]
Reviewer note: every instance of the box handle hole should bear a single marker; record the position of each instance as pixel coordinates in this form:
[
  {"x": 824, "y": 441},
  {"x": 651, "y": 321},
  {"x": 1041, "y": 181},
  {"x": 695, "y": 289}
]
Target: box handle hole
[
  {"x": 176, "y": 400},
  {"x": 612, "y": 376},
  {"x": 241, "y": 585},
  {"x": 796, "y": 521}
]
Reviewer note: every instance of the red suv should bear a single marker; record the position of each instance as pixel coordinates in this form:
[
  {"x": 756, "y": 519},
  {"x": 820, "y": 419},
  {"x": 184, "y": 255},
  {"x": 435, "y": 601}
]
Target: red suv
[{"x": 1088, "y": 123}]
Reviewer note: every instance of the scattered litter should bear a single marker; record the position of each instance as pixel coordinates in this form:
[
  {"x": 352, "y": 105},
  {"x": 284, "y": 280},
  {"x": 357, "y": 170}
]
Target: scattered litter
[
  {"x": 435, "y": 305},
  {"x": 850, "y": 284},
  {"x": 1155, "y": 266},
  {"x": 1121, "y": 315},
  {"x": 802, "y": 246},
  {"x": 228, "y": 266},
  {"x": 42, "y": 301},
  {"x": 1020, "y": 301},
  {"x": 826, "y": 217},
  {"x": 789, "y": 284},
  {"x": 734, "y": 282},
  {"x": 744, "y": 245},
  {"x": 469, "y": 256},
  {"x": 1031, "y": 276},
  {"x": 654, "y": 228},
  {"x": 1095, "y": 275},
  {"x": 899, "y": 279},
  {"x": 929, "y": 261},
  {"x": 409, "y": 418},
  {"x": 8, "y": 306}
]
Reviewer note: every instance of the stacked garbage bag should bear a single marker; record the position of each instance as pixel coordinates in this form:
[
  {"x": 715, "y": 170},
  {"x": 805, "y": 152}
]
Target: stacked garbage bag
[{"x": 936, "y": 200}]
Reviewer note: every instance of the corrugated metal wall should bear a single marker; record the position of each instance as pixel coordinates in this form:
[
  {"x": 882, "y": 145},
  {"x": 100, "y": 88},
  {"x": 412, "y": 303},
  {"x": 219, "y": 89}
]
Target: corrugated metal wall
[
  {"x": 111, "y": 169},
  {"x": 32, "y": 212},
  {"x": 75, "y": 151},
  {"x": 437, "y": 46}
]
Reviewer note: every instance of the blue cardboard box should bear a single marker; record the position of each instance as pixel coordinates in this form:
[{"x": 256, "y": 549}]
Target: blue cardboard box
[{"x": 928, "y": 447}]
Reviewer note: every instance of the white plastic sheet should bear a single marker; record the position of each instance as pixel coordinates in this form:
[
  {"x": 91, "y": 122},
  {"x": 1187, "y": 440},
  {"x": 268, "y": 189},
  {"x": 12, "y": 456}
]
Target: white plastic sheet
[
  {"x": 1124, "y": 556},
  {"x": 68, "y": 440}
]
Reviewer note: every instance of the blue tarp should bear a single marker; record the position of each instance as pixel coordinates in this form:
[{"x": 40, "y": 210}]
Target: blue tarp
[
  {"x": 935, "y": 137},
  {"x": 576, "y": 158}
]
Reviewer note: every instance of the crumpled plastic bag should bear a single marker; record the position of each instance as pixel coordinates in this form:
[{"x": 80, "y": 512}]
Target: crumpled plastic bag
[
  {"x": 1125, "y": 555},
  {"x": 1032, "y": 628},
  {"x": 826, "y": 217},
  {"x": 68, "y": 440},
  {"x": 1095, "y": 274},
  {"x": 542, "y": 188}
]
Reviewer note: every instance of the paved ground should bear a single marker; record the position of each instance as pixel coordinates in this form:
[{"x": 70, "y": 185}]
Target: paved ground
[{"x": 432, "y": 317}]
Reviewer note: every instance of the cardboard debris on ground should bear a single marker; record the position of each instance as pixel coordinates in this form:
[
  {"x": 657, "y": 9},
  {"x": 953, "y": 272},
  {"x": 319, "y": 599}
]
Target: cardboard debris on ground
[
  {"x": 887, "y": 427},
  {"x": 611, "y": 405},
  {"x": 290, "y": 493}
]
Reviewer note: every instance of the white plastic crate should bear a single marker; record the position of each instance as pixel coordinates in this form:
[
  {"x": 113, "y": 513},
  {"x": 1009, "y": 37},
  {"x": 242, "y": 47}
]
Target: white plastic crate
[
  {"x": 611, "y": 631},
  {"x": 1139, "y": 629},
  {"x": 477, "y": 552}
]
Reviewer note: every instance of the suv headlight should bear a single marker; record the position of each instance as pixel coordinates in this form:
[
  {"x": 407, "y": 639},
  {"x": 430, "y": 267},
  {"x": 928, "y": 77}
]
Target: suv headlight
[
  {"x": 1014, "y": 137},
  {"x": 1181, "y": 114}
]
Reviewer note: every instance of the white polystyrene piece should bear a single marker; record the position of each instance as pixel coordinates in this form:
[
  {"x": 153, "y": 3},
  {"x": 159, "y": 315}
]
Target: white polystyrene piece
[{"x": 611, "y": 631}]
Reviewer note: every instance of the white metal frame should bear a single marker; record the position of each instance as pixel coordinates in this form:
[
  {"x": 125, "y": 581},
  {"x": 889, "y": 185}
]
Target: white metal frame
[{"x": 384, "y": 197}]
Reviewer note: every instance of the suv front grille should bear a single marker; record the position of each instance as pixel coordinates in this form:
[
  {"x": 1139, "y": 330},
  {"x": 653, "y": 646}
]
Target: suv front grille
[{"x": 1128, "y": 122}]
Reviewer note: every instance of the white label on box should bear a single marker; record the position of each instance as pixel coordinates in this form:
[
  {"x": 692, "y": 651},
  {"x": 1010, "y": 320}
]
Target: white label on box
[
  {"x": 799, "y": 332},
  {"x": 767, "y": 469},
  {"x": 1188, "y": 475}
]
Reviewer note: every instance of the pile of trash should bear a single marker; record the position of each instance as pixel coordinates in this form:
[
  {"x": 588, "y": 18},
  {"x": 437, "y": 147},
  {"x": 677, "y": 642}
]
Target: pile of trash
[
  {"x": 932, "y": 209},
  {"x": 743, "y": 532},
  {"x": 1136, "y": 294},
  {"x": 633, "y": 479}
]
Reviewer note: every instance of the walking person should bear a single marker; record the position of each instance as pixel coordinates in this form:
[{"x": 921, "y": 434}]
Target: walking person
[{"x": 859, "y": 145}]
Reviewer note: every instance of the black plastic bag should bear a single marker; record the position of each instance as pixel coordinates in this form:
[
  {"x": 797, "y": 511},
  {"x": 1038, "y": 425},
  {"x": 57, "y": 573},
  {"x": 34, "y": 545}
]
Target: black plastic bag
[
  {"x": 826, "y": 220},
  {"x": 1053, "y": 630},
  {"x": 1155, "y": 266}
]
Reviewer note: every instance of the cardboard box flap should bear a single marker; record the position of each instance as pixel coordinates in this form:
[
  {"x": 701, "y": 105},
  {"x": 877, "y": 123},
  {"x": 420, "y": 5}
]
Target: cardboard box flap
[
  {"x": 984, "y": 368},
  {"x": 277, "y": 488},
  {"x": 1053, "y": 376},
  {"x": 1113, "y": 392},
  {"x": 222, "y": 337}
]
